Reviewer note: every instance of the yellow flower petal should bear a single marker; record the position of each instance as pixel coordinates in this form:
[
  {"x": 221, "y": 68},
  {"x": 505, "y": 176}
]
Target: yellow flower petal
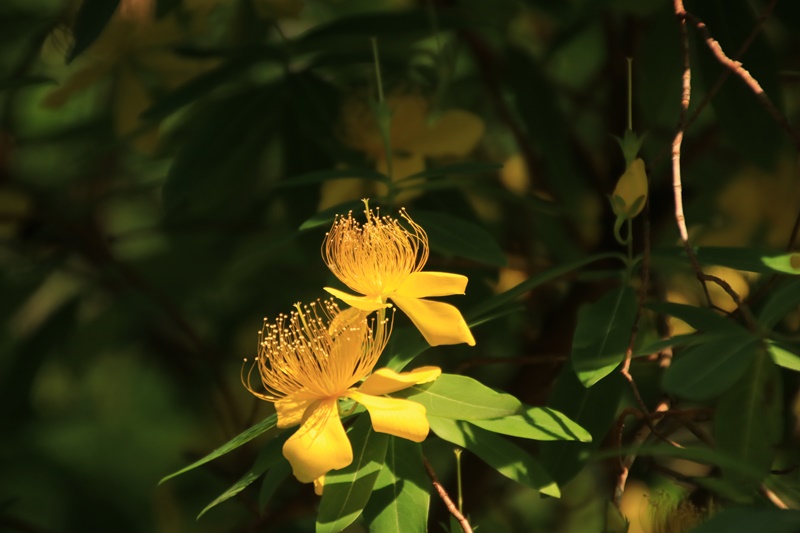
[
  {"x": 339, "y": 191},
  {"x": 365, "y": 303},
  {"x": 456, "y": 132},
  {"x": 290, "y": 410},
  {"x": 386, "y": 381},
  {"x": 439, "y": 323},
  {"x": 425, "y": 284},
  {"x": 401, "y": 418},
  {"x": 77, "y": 82},
  {"x": 320, "y": 445},
  {"x": 403, "y": 165},
  {"x": 319, "y": 484}
]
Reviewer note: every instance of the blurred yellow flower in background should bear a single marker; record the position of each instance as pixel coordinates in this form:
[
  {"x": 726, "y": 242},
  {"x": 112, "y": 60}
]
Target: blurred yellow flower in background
[
  {"x": 415, "y": 134},
  {"x": 381, "y": 260},
  {"x": 308, "y": 363},
  {"x": 136, "y": 53}
]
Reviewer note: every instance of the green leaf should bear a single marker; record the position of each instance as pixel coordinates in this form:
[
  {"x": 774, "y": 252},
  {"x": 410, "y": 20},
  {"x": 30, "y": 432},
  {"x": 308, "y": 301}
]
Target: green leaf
[
  {"x": 781, "y": 301},
  {"x": 594, "y": 408},
  {"x": 348, "y": 33},
  {"x": 326, "y": 216},
  {"x": 205, "y": 83},
  {"x": 451, "y": 236},
  {"x": 783, "y": 356},
  {"x": 499, "y": 453},
  {"x": 746, "y": 520},
  {"x": 270, "y": 454},
  {"x": 347, "y": 491},
  {"x": 324, "y": 175},
  {"x": 92, "y": 18},
  {"x": 602, "y": 335},
  {"x": 537, "y": 423},
  {"x": 461, "y": 398},
  {"x": 700, "y": 318},
  {"x": 401, "y": 496},
  {"x": 686, "y": 339},
  {"x": 272, "y": 480},
  {"x": 447, "y": 170},
  {"x": 10, "y": 84},
  {"x": 707, "y": 370},
  {"x": 748, "y": 259},
  {"x": 748, "y": 421},
  {"x": 243, "y": 438},
  {"x": 507, "y": 297},
  {"x": 218, "y": 167}
]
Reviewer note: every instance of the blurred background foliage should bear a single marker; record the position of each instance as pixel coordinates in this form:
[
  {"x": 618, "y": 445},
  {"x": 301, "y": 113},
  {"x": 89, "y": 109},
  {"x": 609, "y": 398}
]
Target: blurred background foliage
[{"x": 168, "y": 169}]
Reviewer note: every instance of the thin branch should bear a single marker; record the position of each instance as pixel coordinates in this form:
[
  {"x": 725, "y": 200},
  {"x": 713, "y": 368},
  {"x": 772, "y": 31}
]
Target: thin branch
[
  {"x": 638, "y": 439},
  {"x": 737, "y": 68},
  {"x": 677, "y": 185},
  {"x": 771, "y": 496},
  {"x": 446, "y": 498},
  {"x": 725, "y": 74}
]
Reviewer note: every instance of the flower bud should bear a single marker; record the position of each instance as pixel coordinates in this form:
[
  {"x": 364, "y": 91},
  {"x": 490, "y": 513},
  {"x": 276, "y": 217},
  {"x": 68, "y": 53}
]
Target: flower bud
[{"x": 630, "y": 194}]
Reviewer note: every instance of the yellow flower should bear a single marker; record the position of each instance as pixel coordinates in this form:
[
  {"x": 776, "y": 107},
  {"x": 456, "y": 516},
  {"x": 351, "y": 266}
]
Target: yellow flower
[
  {"x": 630, "y": 194},
  {"x": 137, "y": 53},
  {"x": 382, "y": 260},
  {"x": 414, "y": 135},
  {"x": 311, "y": 359}
]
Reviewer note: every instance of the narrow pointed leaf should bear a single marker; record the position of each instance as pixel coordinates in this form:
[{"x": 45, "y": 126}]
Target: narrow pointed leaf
[
  {"x": 781, "y": 301},
  {"x": 239, "y": 440},
  {"x": 270, "y": 454},
  {"x": 92, "y": 19},
  {"x": 700, "y": 318}
]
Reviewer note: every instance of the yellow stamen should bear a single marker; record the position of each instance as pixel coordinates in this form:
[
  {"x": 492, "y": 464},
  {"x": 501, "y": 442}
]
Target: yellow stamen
[
  {"x": 374, "y": 258},
  {"x": 301, "y": 354}
]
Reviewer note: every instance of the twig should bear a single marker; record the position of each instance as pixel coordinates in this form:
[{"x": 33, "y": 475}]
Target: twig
[
  {"x": 725, "y": 74},
  {"x": 771, "y": 496},
  {"x": 677, "y": 186},
  {"x": 446, "y": 498},
  {"x": 737, "y": 68},
  {"x": 626, "y": 463}
]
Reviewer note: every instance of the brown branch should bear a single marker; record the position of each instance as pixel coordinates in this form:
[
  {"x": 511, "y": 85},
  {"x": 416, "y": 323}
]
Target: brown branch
[
  {"x": 725, "y": 73},
  {"x": 638, "y": 439},
  {"x": 446, "y": 498},
  {"x": 677, "y": 185},
  {"x": 737, "y": 68}
]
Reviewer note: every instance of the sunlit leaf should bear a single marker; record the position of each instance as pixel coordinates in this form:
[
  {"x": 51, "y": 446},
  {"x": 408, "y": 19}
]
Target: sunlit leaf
[
  {"x": 461, "y": 398},
  {"x": 499, "y": 453},
  {"x": 537, "y": 423},
  {"x": 783, "y": 356},
  {"x": 401, "y": 495}
]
